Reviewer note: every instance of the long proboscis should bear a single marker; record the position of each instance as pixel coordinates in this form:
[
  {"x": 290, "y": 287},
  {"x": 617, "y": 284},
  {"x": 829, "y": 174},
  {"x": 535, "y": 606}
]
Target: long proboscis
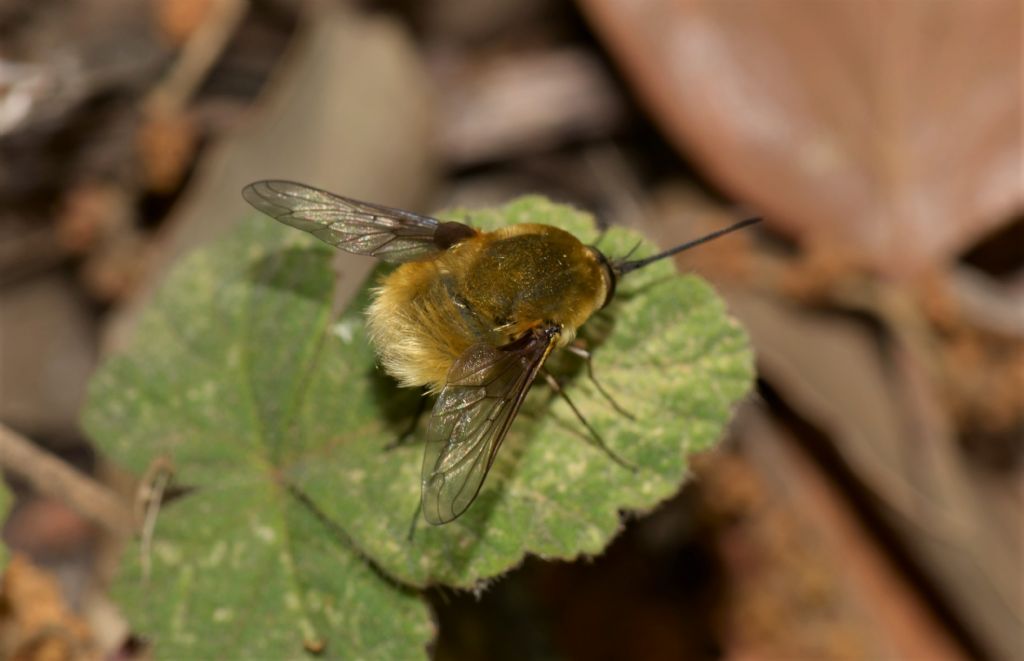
[{"x": 622, "y": 268}]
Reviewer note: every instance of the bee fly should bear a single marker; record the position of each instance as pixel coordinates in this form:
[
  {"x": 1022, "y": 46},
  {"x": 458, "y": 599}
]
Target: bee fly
[{"x": 471, "y": 315}]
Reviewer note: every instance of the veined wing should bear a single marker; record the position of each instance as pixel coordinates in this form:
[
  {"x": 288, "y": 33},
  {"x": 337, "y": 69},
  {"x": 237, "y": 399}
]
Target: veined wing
[
  {"x": 484, "y": 390},
  {"x": 358, "y": 227}
]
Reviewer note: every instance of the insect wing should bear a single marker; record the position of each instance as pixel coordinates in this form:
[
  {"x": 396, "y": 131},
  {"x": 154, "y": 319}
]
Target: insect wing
[
  {"x": 485, "y": 388},
  {"x": 358, "y": 227}
]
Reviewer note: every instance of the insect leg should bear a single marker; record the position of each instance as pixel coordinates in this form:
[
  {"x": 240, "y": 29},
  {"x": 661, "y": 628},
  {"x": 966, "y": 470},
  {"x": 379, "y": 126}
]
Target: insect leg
[
  {"x": 411, "y": 429},
  {"x": 631, "y": 251},
  {"x": 557, "y": 387},
  {"x": 415, "y": 520},
  {"x": 588, "y": 359}
]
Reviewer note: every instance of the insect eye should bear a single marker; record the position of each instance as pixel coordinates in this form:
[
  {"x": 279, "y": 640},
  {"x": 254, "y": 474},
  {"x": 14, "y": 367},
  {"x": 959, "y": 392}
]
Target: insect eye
[{"x": 608, "y": 271}]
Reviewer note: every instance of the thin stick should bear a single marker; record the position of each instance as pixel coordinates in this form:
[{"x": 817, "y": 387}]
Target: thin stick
[
  {"x": 150, "y": 499},
  {"x": 198, "y": 55},
  {"x": 50, "y": 476}
]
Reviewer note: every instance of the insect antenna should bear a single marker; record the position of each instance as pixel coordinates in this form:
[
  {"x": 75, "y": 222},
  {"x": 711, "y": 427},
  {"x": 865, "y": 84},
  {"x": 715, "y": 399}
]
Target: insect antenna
[{"x": 623, "y": 267}]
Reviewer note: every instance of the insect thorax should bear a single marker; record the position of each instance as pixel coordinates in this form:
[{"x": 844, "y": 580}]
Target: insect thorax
[{"x": 526, "y": 275}]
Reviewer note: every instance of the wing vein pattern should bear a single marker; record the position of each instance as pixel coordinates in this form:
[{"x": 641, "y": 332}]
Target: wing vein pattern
[
  {"x": 358, "y": 227},
  {"x": 485, "y": 388}
]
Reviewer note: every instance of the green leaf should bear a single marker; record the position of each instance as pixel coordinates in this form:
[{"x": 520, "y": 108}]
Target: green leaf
[
  {"x": 243, "y": 376},
  {"x": 235, "y": 344},
  {"x": 666, "y": 350}
]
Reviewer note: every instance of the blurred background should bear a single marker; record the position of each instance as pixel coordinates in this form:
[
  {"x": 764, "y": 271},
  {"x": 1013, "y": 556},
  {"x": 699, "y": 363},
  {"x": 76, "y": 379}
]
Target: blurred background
[{"x": 868, "y": 501}]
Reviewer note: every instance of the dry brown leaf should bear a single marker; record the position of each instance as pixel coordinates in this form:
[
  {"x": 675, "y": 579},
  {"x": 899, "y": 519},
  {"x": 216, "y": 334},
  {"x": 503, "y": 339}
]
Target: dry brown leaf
[
  {"x": 179, "y": 19},
  {"x": 92, "y": 212},
  {"x": 805, "y": 578},
  {"x": 35, "y": 623},
  {"x": 890, "y": 428},
  {"x": 166, "y": 145},
  {"x": 887, "y": 130}
]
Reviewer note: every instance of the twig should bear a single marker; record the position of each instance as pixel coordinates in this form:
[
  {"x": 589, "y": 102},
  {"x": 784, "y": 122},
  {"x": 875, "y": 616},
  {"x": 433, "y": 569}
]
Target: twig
[
  {"x": 53, "y": 477},
  {"x": 148, "y": 500},
  {"x": 197, "y": 57}
]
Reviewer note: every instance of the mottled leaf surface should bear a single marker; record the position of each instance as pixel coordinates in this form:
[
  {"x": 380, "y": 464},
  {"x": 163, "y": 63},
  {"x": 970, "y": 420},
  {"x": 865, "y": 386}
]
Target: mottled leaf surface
[
  {"x": 229, "y": 368},
  {"x": 245, "y": 378}
]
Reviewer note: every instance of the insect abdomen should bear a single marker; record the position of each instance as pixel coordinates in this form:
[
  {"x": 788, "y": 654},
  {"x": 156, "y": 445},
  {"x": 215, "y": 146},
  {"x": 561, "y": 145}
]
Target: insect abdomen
[{"x": 415, "y": 326}]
